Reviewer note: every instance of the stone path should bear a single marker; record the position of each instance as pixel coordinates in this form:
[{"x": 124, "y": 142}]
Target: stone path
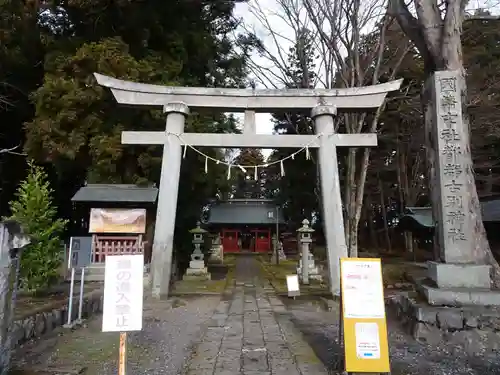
[
  {"x": 251, "y": 333},
  {"x": 248, "y": 332},
  {"x": 163, "y": 346}
]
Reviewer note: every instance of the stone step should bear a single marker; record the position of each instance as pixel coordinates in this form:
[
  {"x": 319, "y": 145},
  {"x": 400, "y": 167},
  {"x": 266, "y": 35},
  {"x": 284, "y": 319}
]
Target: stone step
[{"x": 458, "y": 296}]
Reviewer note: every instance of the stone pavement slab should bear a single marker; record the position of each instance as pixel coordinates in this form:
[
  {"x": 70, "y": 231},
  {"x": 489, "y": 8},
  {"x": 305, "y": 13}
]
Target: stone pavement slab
[
  {"x": 250, "y": 333},
  {"x": 163, "y": 346},
  {"x": 247, "y": 332}
]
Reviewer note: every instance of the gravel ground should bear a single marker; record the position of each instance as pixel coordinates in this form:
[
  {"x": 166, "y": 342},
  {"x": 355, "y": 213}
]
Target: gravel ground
[
  {"x": 407, "y": 356},
  {"x": 162, "y": 347}
]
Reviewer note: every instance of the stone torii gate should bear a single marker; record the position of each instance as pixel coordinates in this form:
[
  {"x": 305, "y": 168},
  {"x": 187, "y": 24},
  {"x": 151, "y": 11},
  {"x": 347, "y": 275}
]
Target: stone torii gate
[{"x": 176, "y": 102}]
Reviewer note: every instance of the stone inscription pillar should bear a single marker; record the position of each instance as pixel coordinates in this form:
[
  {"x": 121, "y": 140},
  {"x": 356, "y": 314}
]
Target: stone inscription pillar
[
  {"x": 451, "y": 210},
  {"x": 161, "y": 263},
  {"x": 449, "y": 178},
  {"x": 323, "y": 117}
]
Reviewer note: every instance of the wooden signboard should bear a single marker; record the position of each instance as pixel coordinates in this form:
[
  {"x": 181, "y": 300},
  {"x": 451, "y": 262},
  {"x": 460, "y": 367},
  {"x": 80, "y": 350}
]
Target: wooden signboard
[
  {"x": 123, "y": 293},
  {"x": 364, "y": 324},
  {"x": 130, "y": 221},
  {"x": 292, "y": 284}
]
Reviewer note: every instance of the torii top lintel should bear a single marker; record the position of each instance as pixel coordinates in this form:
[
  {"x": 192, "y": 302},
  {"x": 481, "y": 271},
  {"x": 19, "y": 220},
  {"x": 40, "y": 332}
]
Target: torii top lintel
[{"x": 239, "y": 100}]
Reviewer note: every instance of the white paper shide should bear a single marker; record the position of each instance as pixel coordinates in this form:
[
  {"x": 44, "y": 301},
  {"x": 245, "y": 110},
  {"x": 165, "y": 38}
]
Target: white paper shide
[
  {"x": 123, "y": 293},
  {"x": 363, "y": 291}
]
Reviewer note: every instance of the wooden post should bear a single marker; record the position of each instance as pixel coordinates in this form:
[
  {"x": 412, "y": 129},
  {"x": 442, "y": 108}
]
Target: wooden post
[{"x": 122, "y": 362}]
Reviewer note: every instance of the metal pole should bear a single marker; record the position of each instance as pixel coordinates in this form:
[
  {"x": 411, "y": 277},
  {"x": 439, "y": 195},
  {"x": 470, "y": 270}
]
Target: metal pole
[
  {"x": 70, "y": 261},
  {"x": 70, "y": 300},
  {"x": 277, "y": 235},
  {"x": 80, "y": 305}
]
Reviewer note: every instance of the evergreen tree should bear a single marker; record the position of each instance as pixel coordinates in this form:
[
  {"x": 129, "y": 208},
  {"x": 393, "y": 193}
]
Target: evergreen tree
[
  {"x": 296, "y": 189},
  {"x": 245, "y": 184},
  {"x": 34, "y": 210},
  {"x": 77, "y": 126}
]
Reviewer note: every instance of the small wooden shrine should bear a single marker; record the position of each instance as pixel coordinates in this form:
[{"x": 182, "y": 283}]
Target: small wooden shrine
[
  {"x": 118, "y": 217},
  {"x": 245, "y": 224}
]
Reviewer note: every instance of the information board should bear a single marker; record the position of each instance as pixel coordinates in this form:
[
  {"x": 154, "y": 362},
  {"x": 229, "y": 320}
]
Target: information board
[
  {"x": 80, "y": 252},
  {"x": 123, "y": 293},
  {"x": 363, "y": 314},
  {"x": 292, "y": 283},
  {"x": 117, "y": 220}
]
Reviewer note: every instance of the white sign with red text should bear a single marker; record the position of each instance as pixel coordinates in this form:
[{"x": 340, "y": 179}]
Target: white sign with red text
[
  {"x": 363, "y": 289},
  {"x": 123, "y": 293}
]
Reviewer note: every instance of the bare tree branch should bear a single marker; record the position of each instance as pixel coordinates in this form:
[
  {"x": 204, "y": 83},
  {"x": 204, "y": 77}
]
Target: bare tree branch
[{"x": 12, "y": 151}]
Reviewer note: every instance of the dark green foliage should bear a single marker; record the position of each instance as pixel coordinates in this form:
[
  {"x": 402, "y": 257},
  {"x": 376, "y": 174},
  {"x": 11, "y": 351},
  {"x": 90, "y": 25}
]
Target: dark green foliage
[
  {"x": 35, "y": 211},
  {"x": 245, "y": 185},
  {"x": 296, "y": 190},
  {"x": 72, "y": 126}
]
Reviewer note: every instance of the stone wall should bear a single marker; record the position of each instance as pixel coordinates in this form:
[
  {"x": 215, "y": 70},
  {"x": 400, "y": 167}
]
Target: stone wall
[
  {"x": 474, "y": 328},
  {"x": 47, "y": 319}
]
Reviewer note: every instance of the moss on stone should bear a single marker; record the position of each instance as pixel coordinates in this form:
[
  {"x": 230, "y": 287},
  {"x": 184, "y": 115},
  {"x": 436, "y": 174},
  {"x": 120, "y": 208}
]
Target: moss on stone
[
  {"x": 277, "y": 273},
  {"x": 201, "y": 287}
]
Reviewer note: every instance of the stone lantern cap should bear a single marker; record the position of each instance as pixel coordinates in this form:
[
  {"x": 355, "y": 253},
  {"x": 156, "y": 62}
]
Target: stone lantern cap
[
  {"x": 198, "y": 229},
  {"x": 305, "y": 228},
  {"x": 305, "y": 232}
]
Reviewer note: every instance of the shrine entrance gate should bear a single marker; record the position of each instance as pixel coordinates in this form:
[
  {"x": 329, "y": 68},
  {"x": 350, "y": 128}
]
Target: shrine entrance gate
[{"x": 176, "y": 102}]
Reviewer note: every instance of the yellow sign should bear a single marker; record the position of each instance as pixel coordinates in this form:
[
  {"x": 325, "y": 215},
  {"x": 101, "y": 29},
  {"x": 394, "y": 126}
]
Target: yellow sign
[
  {"x": 106, "y": 220},
  {"x": 363, "y": 314}
]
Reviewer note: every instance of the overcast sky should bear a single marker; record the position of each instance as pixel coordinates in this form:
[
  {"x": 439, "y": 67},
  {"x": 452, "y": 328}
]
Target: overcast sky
[{"x": 263, "y": 120}]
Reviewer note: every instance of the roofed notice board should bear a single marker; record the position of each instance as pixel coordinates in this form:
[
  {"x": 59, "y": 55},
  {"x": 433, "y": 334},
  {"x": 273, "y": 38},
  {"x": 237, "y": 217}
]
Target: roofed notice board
[
  {"x": 363, "y": 313},
  {"x": 107, "y": 220}
]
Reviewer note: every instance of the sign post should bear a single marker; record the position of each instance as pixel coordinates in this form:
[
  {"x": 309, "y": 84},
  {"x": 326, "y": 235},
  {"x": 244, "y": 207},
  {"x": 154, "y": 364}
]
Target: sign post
[
  {"x": 292, "y": 284},
  {"x": 79, "y": 320},
  {"x": 363, "y": 322},
  {"x": 79, "y": 257},
  {"x": 123, "y": 299},
  {"x": 70, "y": 300},
  {"x": 122, "y": 362}
]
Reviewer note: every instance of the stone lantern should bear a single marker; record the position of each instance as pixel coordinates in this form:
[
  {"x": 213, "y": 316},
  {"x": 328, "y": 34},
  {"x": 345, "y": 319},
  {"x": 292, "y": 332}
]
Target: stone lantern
[
  {"x": 274, "y": 242},
  {"x": 307, "y": 269},
  {"x": 197, "y": 269}
]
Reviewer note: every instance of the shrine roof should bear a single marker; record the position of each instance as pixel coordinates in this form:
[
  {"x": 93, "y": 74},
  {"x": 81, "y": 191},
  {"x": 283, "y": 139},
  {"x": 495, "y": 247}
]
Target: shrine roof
[
  {"x": 422, "y": 216},
  {"x": 115, "y": 193},
  {"x": 245, "y": 211}
]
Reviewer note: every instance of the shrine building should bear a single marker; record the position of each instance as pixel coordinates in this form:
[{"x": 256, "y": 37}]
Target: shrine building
[
  {"x": 245, "y": 225},
  {"x": 114, "y": 196}
]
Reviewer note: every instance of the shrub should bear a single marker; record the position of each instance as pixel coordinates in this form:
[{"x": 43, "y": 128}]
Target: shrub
[{"x": 34, "y": 210}]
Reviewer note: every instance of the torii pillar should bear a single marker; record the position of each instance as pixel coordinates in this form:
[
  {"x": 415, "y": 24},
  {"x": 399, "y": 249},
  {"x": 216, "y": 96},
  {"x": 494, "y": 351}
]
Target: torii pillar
[
  {"x": 323, "y": 117},
  {"x": 161, "y": 261}
]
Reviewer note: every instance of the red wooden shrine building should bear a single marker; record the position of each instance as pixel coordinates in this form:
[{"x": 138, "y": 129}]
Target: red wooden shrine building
[{"x": 245, "y": 224}]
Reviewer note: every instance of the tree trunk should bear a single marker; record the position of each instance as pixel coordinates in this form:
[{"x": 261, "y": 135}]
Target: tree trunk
[
  {"x": 403, "y": 188},
  {"x": 383, "y": 208},
  {"x": 369, "y": 219},
  {"x": 351, "y": 232}
]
